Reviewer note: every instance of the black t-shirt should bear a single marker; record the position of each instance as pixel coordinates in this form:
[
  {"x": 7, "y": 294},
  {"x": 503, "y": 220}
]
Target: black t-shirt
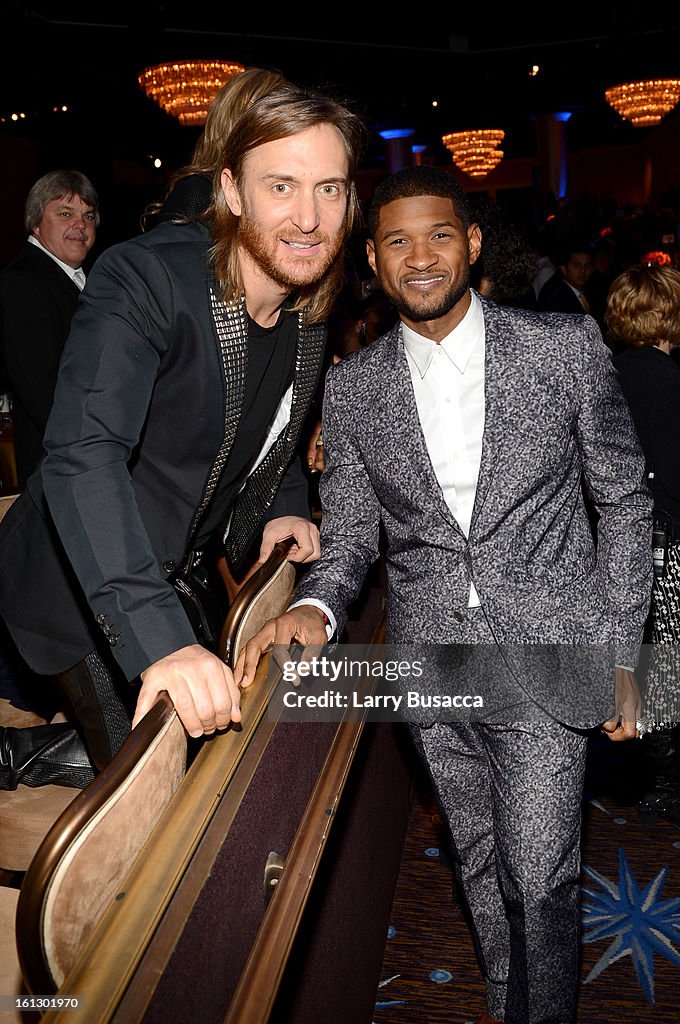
[{"x": 271, "y": 361}]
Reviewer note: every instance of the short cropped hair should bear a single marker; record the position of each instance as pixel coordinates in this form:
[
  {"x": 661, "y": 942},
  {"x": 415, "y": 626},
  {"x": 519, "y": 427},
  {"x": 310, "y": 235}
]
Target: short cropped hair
[
  {"x": 56, "y": 185},
  {"x": 420, "y": 180},
  {"x": 643, "y": 306}
]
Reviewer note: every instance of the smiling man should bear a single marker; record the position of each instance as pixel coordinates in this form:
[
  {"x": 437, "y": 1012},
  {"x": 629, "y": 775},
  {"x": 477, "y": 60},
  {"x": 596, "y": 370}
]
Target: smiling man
[
  {"x": 183, "y": 388},
  {"x": 38, "y": 296},
  {"x": 470, "y": 436}
]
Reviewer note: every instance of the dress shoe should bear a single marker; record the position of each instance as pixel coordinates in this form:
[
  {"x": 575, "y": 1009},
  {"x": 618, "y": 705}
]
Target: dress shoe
[
  {"x": 661, "y": 761},
  {"x": 662, "y": 801},
  {"x": 43, "y": 755}
]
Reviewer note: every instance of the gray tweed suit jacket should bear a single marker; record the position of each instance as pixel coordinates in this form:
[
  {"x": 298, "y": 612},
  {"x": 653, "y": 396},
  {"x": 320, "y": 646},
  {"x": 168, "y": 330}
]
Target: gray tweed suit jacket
[{"x": 559, "y": 453}]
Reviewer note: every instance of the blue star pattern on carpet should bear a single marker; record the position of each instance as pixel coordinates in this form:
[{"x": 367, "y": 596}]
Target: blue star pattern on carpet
[{"x": 638, "y": 920}]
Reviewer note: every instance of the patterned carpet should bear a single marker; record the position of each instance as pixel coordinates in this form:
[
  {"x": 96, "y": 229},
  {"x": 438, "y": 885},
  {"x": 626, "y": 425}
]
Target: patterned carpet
[{"x": 630, "y": 970}]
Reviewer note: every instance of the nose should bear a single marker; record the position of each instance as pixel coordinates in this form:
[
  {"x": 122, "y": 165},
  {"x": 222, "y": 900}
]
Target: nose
[
  {"x": 421, "y": 256},
  {"x": 79, "y": 222},
  {"x": 305, "y": 214}
]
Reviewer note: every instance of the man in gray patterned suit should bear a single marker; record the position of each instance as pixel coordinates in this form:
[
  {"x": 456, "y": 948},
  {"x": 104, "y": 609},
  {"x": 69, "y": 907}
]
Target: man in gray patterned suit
[{"x": 471, "y": 431}]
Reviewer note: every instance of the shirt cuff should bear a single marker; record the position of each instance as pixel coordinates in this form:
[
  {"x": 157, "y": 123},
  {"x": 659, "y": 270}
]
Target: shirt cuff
[{"x": 331, "y": 625}]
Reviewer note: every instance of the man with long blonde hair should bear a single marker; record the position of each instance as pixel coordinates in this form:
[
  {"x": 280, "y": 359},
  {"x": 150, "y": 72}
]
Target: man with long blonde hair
[{"x": 184, "y": 385}]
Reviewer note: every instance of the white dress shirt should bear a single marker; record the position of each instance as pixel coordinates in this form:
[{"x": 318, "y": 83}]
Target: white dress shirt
[
  {"x": 448, "y": 383},
  {"x": 77, "y": 276}
]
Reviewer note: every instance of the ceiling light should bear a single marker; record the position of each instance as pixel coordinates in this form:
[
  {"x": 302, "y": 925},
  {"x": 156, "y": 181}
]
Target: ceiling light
[
  {"x": 187, "y": 88},
  {"x": 644, "y": 103},
  {"x": 475, "y": 152}
]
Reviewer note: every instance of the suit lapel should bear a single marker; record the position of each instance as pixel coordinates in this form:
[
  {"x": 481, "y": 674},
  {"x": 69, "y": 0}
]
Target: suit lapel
[
  {"x": 495, "y": 425},
  {"x": 407, "y": 424},
  {"x": 49, "y": 266}
]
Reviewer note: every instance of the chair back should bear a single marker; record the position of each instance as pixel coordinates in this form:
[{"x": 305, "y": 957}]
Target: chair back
[
  {"x": 264, "y": 595},
  {"x": 80, "y": 865}
]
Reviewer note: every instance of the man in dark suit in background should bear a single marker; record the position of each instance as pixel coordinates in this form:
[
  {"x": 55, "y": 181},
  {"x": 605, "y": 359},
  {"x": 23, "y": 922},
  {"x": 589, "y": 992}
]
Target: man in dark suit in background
[
  {"x": 39, "y": 294},
  {"x": 564, "y": 292},
  {"x": 467, "y": 432},
  {"x": 182, "y": 392}
]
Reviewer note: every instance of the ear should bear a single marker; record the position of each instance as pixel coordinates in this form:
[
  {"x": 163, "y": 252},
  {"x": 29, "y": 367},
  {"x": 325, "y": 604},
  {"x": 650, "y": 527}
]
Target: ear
[
  {"x": 231, "y": 193},
  {"x": 474, "y": 243},
  {"x": 370, "y": 253}
]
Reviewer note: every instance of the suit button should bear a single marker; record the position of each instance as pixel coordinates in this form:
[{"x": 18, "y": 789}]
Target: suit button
[
  {"x": 458, "y": 616},
  {"x": 101, "y": 618},
  {"x": 169, "y": 566}
]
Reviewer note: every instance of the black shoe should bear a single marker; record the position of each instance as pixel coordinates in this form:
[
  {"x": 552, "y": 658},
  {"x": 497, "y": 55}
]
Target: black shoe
[
  {"x": 663, "y": 801},
  {"x": 43, "y": 755}
]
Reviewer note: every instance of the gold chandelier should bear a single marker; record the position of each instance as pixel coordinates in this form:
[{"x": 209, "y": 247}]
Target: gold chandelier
[
  {"x": 475, "y": 152},
  {"x": 187, "y": 88},
  {"x": 644, "y": 103}
]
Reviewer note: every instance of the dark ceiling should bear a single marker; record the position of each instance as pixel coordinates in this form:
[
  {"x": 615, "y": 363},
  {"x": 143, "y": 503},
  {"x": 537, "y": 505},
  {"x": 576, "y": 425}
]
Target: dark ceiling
[
  {"x": 475, "y": 64},
  {"x": 389, "y": 64}
]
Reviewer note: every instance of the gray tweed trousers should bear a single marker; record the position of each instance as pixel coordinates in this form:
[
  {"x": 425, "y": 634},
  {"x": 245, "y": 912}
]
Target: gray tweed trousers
[{"x": 510, "y": 789}]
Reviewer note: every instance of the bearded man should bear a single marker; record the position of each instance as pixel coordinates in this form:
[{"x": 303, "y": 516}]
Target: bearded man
[{"x": 184, "y": 385}]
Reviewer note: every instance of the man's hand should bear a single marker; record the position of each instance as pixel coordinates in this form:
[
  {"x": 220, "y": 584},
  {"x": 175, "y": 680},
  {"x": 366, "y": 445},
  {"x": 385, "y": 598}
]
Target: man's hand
[
  {"x": 623, "y": 726},
  {"x": 315, "y": 454},
  {"x": 201, "y": 687},
  {"x": 305, "y": 624},
  {"x": 307, "y": 547}
]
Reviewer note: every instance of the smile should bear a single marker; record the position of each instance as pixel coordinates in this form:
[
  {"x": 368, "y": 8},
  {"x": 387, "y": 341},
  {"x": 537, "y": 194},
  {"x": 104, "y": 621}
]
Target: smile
[
  {"x": 302, "y": 247},
  {"x": 425, "y": 282}
]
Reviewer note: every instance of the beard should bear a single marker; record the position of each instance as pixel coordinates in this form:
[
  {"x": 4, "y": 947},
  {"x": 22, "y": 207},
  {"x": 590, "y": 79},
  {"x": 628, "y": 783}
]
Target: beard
[
  {"x": 293, "y": 272},
  {"x": 429, "y": 307}
]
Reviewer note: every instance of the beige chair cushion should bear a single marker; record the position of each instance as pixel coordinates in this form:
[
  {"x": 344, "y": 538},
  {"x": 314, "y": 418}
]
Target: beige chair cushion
[
  {"x": 11, "y": 983},
  {"x": 272, "y": 600},
  {"x": 5, "y": 502},
  {"x": 89, "y": 874},
  {"x": 26, "y": 816}
]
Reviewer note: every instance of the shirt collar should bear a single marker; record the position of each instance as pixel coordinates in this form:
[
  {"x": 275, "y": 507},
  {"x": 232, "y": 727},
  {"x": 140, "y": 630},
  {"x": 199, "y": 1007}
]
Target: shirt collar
[
  {"x": 458, "y": 345},
  {"x": 71, "y": 271}
]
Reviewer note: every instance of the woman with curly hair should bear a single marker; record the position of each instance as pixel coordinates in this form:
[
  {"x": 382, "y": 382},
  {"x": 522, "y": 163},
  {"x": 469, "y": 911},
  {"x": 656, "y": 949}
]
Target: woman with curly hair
[{"x": 643, "y": 314}]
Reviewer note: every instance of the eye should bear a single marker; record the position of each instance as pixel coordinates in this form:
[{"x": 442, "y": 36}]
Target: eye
[
  {"x": 89, "y": 216},
  {"x": 443, "y": 234},
  {"x": 281, "y": 188},
  {"x": 330, "y": 190},
  {"x": 398, "y": 241}
]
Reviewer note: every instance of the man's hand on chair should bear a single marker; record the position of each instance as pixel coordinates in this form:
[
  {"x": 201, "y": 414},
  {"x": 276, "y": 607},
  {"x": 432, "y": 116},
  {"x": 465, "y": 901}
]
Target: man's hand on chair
[
  {"x": 200, "y": 685},
  {"x": 304, "y": 624},
  {"x": 307, "y": 547}
]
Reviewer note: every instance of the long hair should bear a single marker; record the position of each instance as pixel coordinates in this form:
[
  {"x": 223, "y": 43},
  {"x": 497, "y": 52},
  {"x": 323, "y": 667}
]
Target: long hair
[
  {"x": 239, "y": 93},
  {"x": 56, "y": 185},
  {"x": 286, "y": 111}
]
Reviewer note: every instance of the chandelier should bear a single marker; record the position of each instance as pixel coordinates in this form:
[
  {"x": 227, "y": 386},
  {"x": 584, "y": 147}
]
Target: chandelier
[
  {"x": 644, "y": 103},
  {"x": 187, "y": 88},
  {"x": 475, "y": 152}
]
